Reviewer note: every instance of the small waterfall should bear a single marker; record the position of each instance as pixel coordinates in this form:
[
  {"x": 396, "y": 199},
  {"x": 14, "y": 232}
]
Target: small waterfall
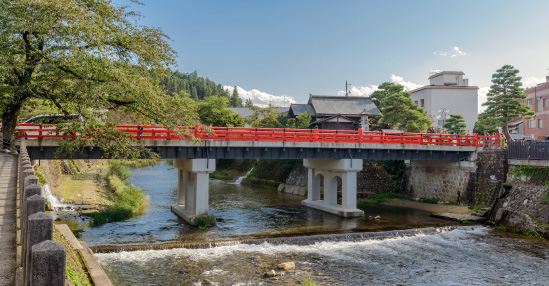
[
  {"x": 240, "y": 179},
  {"x": 54, "y": 202}
]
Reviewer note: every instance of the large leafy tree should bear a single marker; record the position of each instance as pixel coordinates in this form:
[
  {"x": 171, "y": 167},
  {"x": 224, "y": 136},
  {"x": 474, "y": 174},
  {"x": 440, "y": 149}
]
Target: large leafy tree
[
  {"x": 214, "y": 112},
  {"x": 399, "y": 111},
  {"x": 84, "y": 56},
  {"x": 455, "y": 124},
  {"x": 503, "y": 100}
]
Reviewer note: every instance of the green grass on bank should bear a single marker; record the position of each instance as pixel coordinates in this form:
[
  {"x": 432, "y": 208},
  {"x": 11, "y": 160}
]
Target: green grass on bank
[
  {"x": 74, "y": 271},
  {"x": 128, "y": 200},
  {"x": 383, "y": 197}
]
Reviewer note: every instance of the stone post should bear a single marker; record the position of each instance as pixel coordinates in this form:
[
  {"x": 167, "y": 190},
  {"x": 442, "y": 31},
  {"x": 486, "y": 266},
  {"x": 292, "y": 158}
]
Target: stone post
[
  {"x": 39, "y": 229},
  {"x": 31, "y": 180},
  {"x": 48, "y": 262},
  {"x": 29, "y": 191}
]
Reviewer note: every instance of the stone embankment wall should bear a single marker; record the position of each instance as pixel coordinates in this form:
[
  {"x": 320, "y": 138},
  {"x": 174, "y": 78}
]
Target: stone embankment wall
[
  {"x": 465, "y": 183},
  {"x": 524, "y": 201}
]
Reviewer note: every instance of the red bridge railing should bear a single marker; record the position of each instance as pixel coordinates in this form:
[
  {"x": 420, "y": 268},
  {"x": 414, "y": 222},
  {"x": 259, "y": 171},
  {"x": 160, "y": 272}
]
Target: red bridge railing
[{"x": 140, "y": 132}]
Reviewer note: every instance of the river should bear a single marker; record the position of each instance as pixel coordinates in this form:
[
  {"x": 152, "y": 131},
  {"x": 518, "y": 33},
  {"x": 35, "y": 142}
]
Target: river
[{"x": 440, "y": 253}]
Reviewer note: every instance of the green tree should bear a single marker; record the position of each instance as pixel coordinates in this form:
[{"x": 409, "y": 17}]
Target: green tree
[
  {"x": 399, "y": 111},
  {"x": 503, "y": 104},
  {"x": 455, "y": 124},
  {"x": 214, "y": 112},
  {"x": 249, "y": 103},
  {"x": 267, "y": 117},
  {"x": 483, "y": 125},
  {"x": 303, "y": 121},
  {"x": 235, "y": 100},
  {"x": 84, "y": 56},
  {"x": 385, "y": 89}
]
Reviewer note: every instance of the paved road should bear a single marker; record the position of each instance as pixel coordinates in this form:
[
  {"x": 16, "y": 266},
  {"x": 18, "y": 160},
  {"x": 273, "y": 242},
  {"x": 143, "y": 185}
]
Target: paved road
[{"x": 8, "y": 184}]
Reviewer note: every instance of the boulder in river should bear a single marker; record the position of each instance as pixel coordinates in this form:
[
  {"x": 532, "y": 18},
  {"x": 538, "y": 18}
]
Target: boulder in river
[
  {"x": 270, "y": 274},
  {"x": 286, "y": 266}
]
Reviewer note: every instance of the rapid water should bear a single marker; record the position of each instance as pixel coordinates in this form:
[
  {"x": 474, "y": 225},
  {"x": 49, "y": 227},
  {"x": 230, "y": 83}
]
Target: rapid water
[
  {"x": 464, "y": 256},
  {"x": 339, "y": 252}
]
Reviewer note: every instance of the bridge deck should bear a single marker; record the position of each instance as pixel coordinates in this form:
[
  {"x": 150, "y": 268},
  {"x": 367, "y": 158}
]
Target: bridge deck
[
  {"x": 167, "y": 149},
  {"x": 267, "y": 143}
]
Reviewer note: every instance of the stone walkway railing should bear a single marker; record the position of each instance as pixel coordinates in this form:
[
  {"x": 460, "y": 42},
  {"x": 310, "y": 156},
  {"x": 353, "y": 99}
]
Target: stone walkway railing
[{"x": 41, "y": 261}]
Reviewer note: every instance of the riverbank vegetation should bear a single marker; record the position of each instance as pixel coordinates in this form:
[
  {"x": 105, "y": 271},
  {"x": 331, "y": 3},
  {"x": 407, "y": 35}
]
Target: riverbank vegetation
[
  {"x": 74, "y": 271},
  {"x": 128, "y": 200},
  {"x": 204, "y": 221}
]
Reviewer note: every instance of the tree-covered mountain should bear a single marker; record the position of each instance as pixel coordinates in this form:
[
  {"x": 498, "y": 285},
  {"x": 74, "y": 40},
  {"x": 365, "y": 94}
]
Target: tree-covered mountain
[{"x": 192, "y": 85}]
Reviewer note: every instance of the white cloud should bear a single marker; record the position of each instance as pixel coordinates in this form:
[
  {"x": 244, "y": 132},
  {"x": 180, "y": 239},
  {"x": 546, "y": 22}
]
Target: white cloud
[
  {"x": 408, "y": 85},
  {"x": 532, "y": 81},
  {"x": 260, "y": 98},
  {"x": 455, "y": 52},
  {"x": 482, "y": 98},
  {"x": 459, "y": 52},
  {"x": 360, "y": 90}
]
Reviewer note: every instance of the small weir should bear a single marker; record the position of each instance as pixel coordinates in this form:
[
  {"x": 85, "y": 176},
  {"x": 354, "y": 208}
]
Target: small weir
[{"x": 296, "y": 240}]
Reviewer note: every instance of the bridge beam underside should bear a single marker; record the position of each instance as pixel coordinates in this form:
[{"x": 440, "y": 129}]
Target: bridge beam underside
[
  {"x": 326, "y": 172},
  {"x": 193, "y": 187},
  {"x": 201, "y": 152}
]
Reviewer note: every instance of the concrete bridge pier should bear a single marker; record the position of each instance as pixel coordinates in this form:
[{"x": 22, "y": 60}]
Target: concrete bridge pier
[
  {"x": 326, "y": 172},
  {"x": 193, "y": 187}
]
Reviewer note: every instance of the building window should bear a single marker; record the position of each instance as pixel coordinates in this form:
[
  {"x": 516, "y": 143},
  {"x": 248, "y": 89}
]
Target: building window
[
  {"x": 545, "y": 102},
  {"x": 422, "y": 103},
  {"x": 529, "y": 102},
  {"x": 540, "y": 107},
  {"x": 540, "y": 123},
  {"x": 531, "y": 123},
  {"x": 416, "y": 102}
]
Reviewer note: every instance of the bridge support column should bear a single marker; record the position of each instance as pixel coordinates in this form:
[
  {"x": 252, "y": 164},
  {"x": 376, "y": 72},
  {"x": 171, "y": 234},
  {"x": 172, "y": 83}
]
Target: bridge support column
[
  {"x": 193, "y": 187},
  {"x": 325, "y": 172}
]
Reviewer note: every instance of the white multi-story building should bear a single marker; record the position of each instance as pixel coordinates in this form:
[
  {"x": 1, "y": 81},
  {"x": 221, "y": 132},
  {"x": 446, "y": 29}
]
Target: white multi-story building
[{"x": 448, "y": 90}]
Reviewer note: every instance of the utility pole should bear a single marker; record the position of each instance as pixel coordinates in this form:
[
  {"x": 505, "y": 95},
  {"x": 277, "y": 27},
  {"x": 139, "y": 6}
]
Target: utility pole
[{"x": 346, "y": 85}]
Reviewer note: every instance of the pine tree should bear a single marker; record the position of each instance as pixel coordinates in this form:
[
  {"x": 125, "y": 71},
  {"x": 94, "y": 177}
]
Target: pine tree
[
  {"x": 399, "y": 111},
  {"x": 235, "y": 100},
  {"x": 249, "y": 103},
  {"x": 503, "y": 103},
  {"x": 455, "y": 124}
]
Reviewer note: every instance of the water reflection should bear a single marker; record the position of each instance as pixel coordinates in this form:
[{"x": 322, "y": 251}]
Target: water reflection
[{"x": 243, "y": 212}]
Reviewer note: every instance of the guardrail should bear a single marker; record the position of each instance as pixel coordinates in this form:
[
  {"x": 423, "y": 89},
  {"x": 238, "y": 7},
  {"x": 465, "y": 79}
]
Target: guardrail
[
  {"x": 151, "y": 132},
  {"x": 529, "y": 150}
]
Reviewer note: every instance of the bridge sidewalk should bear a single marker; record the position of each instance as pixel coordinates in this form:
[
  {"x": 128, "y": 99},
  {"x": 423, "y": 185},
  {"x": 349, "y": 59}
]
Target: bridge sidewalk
[{"x": 8, "y": 185}]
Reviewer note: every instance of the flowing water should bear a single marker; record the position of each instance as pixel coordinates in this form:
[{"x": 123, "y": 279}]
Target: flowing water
[{"x": 260, "y": 228}]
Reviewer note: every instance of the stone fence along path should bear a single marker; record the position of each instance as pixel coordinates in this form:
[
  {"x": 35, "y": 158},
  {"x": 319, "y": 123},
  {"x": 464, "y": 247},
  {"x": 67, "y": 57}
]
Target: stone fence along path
[{"x": 8, "y": 184}]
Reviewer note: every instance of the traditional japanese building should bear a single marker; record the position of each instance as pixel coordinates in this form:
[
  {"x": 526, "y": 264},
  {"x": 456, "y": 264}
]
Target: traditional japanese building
[{"x": 336, "y": 112}]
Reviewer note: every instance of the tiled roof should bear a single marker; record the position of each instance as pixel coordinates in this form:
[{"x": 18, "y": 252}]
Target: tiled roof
[
  {"x": 297, "y": 109},
  {"x": 345, "y": 105}
]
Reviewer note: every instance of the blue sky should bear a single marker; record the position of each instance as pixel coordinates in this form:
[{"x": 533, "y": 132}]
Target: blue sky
[{"x": 272, "y": 49}]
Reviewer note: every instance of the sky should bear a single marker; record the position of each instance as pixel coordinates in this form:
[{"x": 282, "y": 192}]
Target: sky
[{"x": 281, "y": 51}]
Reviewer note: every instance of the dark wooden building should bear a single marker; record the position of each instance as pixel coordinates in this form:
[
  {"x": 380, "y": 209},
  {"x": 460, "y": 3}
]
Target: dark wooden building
[{"x": 336, "y": 112}]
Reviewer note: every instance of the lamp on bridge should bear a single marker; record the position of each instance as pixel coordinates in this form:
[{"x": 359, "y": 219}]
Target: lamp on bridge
[{"x": 364, "y": 120}]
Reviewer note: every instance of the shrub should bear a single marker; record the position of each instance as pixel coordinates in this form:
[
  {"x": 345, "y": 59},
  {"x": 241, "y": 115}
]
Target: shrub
[{"x": 203, "y": 221}]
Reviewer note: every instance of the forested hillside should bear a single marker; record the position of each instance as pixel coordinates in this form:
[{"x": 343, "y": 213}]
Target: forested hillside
[{"x": 198, "y": 88}]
